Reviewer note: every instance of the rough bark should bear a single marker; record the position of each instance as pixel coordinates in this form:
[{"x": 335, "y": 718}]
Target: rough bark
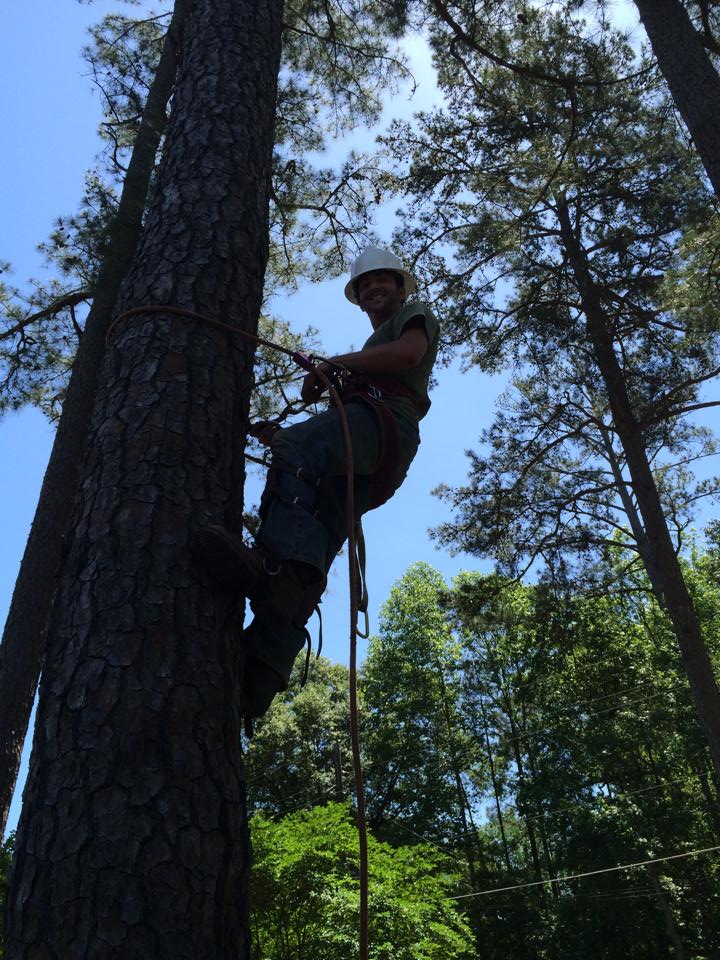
[
  {"x": 693, "y": 81},
  {"x": 133, "y": 837},
  {"x": 663, "y": 566},
  {"x": 23, "y": 641}
]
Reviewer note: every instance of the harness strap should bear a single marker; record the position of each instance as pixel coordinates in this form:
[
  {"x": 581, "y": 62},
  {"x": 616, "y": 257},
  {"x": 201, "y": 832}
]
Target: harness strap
[
  {"x": 372, "y": 390},
  {"x": 300, "y": 472}
]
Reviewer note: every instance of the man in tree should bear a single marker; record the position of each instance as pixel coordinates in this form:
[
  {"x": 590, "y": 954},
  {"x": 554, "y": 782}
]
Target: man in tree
[{"x": 303, "y": 508}]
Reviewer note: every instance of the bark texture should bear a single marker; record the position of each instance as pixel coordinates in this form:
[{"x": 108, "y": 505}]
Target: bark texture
[
  {"x": 133, "y": 837},
  {"x": 693, "y": 81},
  {"x": 23, "y": 641},
  {"x": 663, "y": 567}
]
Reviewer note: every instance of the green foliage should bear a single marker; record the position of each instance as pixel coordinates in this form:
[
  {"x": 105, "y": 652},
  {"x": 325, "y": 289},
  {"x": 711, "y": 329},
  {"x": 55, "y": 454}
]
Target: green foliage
[
  {"x": 598, "y": 759},
  {"x": 418, "y": 752},
  {"x": 292, "y": 761},
  {"x": 305, "y": 899},
  {"x": 568, "y": 719}
]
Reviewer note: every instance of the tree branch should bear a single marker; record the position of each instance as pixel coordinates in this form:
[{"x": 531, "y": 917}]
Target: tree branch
[{"x": 68, "y": 300}]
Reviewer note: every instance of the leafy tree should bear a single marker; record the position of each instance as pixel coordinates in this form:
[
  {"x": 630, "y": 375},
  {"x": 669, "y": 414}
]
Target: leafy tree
[
  {"x": 300, "y": 754},
  {"x": 419, "y": 757},
  {"x": 585, "y": 710},
  {"x": 304, "y": 893},
  {"x": 562, "y": 206}
]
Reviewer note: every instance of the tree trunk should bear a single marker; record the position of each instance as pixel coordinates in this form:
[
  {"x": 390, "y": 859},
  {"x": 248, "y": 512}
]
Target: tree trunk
[
  {"x": 520, "y": 804},
  {"x": 664, "y": 567},
  {"x": 23, "y": 641},
  {"x": 133, "y": 837},
  {"x": 670, "y": 925},
  {"x": 496, "y": 789},
  {"x": 631, "y": 513},
  {"x": 469, "y": 837},
  {"x": 693, "y": 81}
]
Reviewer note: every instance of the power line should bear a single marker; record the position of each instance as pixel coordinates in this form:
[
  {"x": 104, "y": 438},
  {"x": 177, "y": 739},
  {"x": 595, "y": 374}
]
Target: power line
[
  {"x": 589, "y": 873},
  {"x": 571, "y": 660},
  {"x": 605, "y": 696}
]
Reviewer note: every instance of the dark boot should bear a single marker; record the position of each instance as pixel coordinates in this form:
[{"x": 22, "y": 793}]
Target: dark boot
[
  {"x": 260, "y": 685},
  {"x": 229, "y": 560},
  {"x": 277, "y": 592}
]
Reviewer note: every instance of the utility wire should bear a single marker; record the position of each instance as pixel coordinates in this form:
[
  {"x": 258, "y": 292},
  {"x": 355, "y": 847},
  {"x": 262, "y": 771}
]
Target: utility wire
[
  {"x": 580, "y": 666},
  {"x": 589, "y": 873},
  {"x": 605, "y": 696}
]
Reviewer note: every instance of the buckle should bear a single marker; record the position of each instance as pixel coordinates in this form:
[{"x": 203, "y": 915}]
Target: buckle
[
  {"x": 374, "y": 392},
  {"x": 268, "y": 570},
  {"x": 301, "y": 474}
]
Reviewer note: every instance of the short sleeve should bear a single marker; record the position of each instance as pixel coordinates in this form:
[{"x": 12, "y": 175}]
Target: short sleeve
[{"x": 414, "y": 311}]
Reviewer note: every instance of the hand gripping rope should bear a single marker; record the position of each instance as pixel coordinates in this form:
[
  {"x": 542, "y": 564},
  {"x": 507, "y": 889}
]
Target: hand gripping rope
[{"x": 356, "y": 564}]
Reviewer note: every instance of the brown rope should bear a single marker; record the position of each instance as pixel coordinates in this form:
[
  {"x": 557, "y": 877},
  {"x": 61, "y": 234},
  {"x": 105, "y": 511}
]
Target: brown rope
[{"x": 306, "y": 362}]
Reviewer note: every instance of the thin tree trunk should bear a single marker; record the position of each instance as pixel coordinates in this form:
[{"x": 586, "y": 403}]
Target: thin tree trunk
[
  {"x": 670, "y": 925},
  {"x": 462, "y": 799},
  {"x": 23, "y": 641},
  {"x": 534, "y": 853},
  {"x": 133, "y": 837},
  {"x": 496, "y": 789},
  {"x": 631, "y": 513},
  {"x": 693, "y": 81},
  {"x": 710, "y": 801},
  {"x": 543, "y": 833},
  {"x": 664, "y": 568}
]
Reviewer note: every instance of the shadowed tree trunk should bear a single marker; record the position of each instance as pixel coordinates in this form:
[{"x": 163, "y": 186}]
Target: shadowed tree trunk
[
  {"x": 693, "y": 80},
  {"x": 23, "y": 641},
  {"x": 133, "y": 837},
  {"x": 664, "y": 569}
]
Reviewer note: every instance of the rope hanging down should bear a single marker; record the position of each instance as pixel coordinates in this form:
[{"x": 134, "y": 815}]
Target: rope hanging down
[{"x": 357, "y": 588}]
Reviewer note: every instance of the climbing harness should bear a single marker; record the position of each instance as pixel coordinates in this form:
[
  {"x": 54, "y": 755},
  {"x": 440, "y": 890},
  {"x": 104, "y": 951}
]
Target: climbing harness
[
  {"x": 374, "y": 391},
  {"x": 356, "y": 555}
]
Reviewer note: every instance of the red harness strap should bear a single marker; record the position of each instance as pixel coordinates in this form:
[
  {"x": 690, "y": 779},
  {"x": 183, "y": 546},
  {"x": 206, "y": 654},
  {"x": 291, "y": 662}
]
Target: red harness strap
[{"x": 374, "y": 390}]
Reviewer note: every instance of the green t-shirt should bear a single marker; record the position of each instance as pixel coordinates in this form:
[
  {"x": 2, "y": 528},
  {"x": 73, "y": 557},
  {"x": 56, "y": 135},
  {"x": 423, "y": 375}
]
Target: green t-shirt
[{"x": 416, "y": 377}]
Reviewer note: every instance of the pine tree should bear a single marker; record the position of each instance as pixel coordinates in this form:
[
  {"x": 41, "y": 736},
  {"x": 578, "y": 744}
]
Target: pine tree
[
  {"x": 132, "y": 839},
  {"x": 24, "y": 633},
  {"x": 330, "y": 82}
]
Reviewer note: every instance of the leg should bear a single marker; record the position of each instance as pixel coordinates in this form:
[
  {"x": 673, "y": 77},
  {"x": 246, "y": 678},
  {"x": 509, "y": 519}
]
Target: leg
[
  {"x": 301, "y": 519},
  {"x": 304, "y": 524}
]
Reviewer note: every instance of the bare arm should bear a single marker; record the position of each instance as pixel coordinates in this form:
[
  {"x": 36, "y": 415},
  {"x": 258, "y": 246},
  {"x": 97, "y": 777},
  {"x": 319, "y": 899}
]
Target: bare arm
[{"x": 401, "y": 354}]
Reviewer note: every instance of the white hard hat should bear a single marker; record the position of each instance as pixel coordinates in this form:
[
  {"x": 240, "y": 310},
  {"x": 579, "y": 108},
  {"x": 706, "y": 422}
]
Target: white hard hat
[{"x": 375, "y": 258}]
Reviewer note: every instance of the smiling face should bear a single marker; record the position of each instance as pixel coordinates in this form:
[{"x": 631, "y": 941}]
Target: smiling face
[{"x": 380, "y": 294}]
